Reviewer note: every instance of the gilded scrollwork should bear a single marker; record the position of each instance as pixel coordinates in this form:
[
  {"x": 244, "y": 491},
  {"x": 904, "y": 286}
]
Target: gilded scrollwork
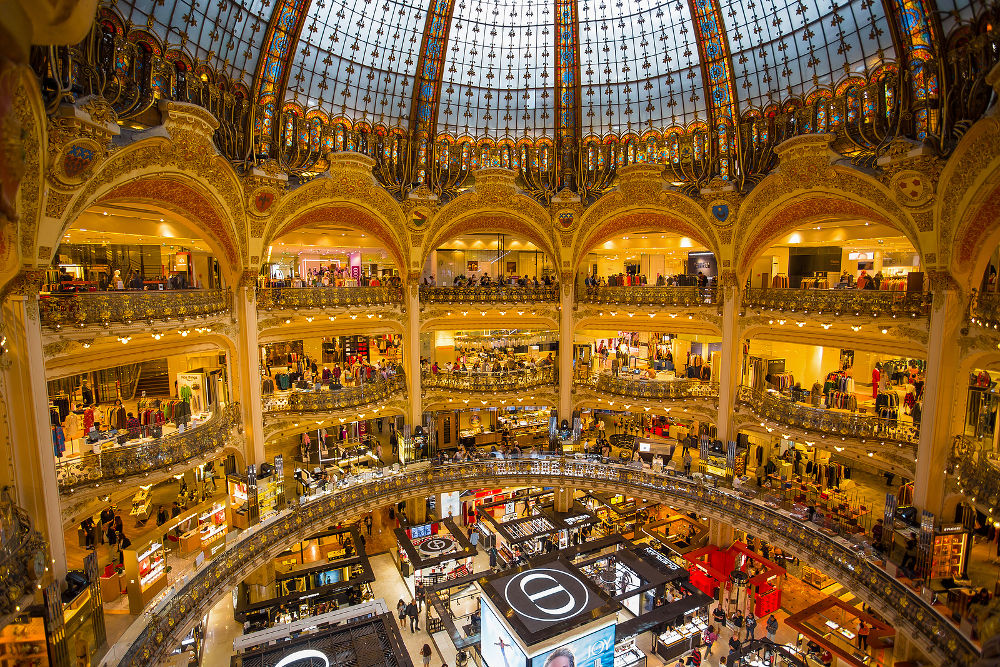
[{"x": 86, "y": 309}]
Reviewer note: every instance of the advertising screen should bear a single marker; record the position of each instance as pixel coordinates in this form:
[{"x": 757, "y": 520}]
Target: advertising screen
[
  {"x": 495, "y": 643},
  {"x": 594, "y": 650}
]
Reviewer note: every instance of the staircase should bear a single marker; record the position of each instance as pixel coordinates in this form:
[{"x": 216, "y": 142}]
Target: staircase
[{"x": 154, "y": 379}]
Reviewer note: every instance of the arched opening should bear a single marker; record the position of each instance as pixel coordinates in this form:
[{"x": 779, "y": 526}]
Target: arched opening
[
  {"x": 854, "y": 253},
  {"x": 331, "y": 253},
  {"x": 486, "y": 259},
  {"x": 647, "y": 258},
  {"x": 134, "y": 246}
]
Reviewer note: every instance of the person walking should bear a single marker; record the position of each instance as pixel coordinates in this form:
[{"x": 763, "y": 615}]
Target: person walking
[
  {"x": 425, "y": 655},
  {"x": 413, "y": 613},
  {"x": 709, "y": 638},
  {"x": 687, "y": 464},
  {"x": 863, "y": 631},
  {"x": 401, "y": 611},
  {"x": 772, "y": 627},
  {"x": 368, "y": 525}
]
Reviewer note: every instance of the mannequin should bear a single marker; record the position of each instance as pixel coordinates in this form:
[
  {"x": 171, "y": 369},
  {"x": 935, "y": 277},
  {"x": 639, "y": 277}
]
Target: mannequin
[{"x": 876, "y": 375}]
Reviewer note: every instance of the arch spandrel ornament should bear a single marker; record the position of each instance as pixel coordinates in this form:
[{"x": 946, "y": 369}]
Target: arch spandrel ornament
[
  {"x": 495, "y": 203},
  {"x": 807, "y": 185},
  {"x": 348, "y": 193}
]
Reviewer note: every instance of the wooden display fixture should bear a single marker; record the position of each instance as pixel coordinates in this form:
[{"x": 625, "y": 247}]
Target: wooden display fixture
[
  {"x": 145, "y": 574},
  {"x": 948, "y": 555},
  {"x": 24, "y": 644}
]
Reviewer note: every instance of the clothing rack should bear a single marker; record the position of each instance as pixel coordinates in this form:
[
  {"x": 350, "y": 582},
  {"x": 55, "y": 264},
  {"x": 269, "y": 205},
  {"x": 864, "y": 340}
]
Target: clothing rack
[
  {"x": 781, "y": 381},
  {"x": 780, "y": 281}
]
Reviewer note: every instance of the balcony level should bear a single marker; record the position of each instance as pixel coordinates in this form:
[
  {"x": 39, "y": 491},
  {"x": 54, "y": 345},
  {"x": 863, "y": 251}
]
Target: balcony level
[
  {"x": 529, "y": 386},
  {"x": 837, "y": 303},
  {"x": 124, "y": 309},
  {"x": 491, "y": 294}
]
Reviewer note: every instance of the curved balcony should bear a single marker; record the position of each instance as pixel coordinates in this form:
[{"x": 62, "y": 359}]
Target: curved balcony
[
  {"x": 21, "y": 549},
  {"x": 296, "y": 298},
  {"x": 646, "y": 295},
  {"x": 977, "y": 474},
  {"x": 491, "y": 294},
  {"x": 526, "y": 378},
  {"x": 118, "y": 462},
  {"x": 652, "y": 390},
  {"x": 837, "y": 302},
  {"x": 829, "y": 422},
  {"x": 329, "y": 400},
  {"x": 984, "y": 310},
  {"x": 84, "y": 309},
  {"x": 831, "y": 554}
]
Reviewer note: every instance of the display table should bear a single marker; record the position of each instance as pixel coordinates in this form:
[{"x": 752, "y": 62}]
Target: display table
[
  {"x": 681, "y": 640},
  {"x": 111, "y": 588},
  {"x": 190, "y": 541}
]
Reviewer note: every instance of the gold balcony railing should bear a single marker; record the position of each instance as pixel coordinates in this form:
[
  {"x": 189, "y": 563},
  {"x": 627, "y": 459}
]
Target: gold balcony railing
[
  {"x": 328, "y": 400},
  {"x": 490, "y": 294},
  {"x": 837, "y": 557},
  {"x": 977, "y": 473},
  {"x": 829, "y": 422},
  {"x": 651, "y": 390},
  {"x": 118, "y": 462},
  {"x": 526, "y": 378},
  {"x": 984, "y": 310},
  {"x": 22, "y": 549},
  {"x": 295, "y": 298},
  {"x": 645, "y": 295},
  {"x": 837, "y": 302},
  {"x": 83, "y": 309}
]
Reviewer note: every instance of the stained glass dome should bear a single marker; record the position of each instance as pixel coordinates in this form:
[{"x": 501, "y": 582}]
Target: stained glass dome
[{"x": 541, "y": 68}]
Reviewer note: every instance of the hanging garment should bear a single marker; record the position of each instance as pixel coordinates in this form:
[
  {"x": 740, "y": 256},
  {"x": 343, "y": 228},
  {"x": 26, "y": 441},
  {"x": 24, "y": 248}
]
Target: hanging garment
[
  {"x": 118, "y": 418},
  {"x": 58, "y": 440}
]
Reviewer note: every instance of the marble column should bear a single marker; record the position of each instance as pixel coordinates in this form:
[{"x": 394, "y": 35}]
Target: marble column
[{"x": 247, "y": 372}]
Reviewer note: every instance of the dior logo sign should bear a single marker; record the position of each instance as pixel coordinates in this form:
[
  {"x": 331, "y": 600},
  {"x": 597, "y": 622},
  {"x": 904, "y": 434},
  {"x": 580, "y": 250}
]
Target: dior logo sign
[{"x": 546, "y": 595}]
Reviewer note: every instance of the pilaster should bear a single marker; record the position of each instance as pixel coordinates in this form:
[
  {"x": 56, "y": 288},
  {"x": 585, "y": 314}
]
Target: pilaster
[
  {"x": 416, "y": 510},
  {"x": 730, "y": 374},
  {"x": 411, "y": 354},
  {"x": 566, "y": 348},
  {"x": 30, "y": 467},
  {"x": 947, "y": 318},
  {"x": 248, "y": 374},
  {"x": 720, "y": 534},
  {"x": 563, "y": 499}
]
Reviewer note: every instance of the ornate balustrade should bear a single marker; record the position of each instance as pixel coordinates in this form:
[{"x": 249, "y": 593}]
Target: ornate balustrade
[
  {"x": 294, "y": 298},
  {"x": 328, "y": 400},
  {"x": 22, "y": 551},
  {"x": 652, "y": 390},
  {"x": 83, "y": 309},
  {"x": 491, "y": 382},
  {"x": 645, "y": 295},
  {"x": 976, "y": 473},
  {"x": 830, "y": 422},
  {"x": 834, "y": 555},
  {"x": 984, "y": 310},
  {"x": 837, "y": 302},
  {"x": 115, "y": 463},
  {"x": 491, "y": 294}
]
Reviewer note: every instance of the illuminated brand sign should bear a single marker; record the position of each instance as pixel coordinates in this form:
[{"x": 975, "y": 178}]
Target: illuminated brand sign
[
  {"x": 436, "y": 545},
  {"x": 308, "y": 656},
  {"x": 660, "y": 558},
  {"x": 546, "y": 595}
]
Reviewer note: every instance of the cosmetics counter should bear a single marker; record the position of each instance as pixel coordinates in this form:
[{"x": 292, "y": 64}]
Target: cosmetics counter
[
  {"x": 829, "y": 628},
  {"x": 145, "y": 574},
  {"x": 711, "y": 571},
  {"x": 432, "y": 552},
  {"x": 207, "y": 534},
  {"x": 678, "y": 531},
  {"x": 451, "y": 606},
  {"x": 618, "y": 513}
]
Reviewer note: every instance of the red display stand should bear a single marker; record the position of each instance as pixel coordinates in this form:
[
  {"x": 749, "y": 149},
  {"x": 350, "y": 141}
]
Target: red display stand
[{"x": 711, "y": 566}]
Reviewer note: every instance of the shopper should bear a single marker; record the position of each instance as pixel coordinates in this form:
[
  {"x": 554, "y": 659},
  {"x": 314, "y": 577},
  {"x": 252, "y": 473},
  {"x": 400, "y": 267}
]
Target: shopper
[
  {"x": 694, "y": 660},
  {"x": 709, "y": 639},
  {"x": 751, "y": 625},
  {"x": 772, "y": 627},
  {"x": 734, "y": 643},
  {"x": 413, "y": 613},
  {"x": 687, "y": 464},
  {"x": 401, "y": 611},
  {"x": 719, "y": 615},
  {"x": 368, "y": 525},
  {"x": 418, "y": 594},
  {"x": 425, "y": 655},
  {"x": 863, "y": 631}
]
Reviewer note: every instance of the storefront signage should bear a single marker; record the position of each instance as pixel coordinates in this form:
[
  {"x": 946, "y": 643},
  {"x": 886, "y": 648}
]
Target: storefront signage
[
  {"x": 436, "y": 546},
  {"x": 594, "y": 650},
  {"x": 660, "y": 558},
  {"x": 951, "y": 528},
  {"x": 546, "y": 595}
]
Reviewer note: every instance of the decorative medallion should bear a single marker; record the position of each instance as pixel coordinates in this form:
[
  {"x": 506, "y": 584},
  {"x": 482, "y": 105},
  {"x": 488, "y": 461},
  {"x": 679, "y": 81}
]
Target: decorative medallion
[
  {"x": 911, "y": 188},
  {"x": 566, "y": 219},
  {"x": 262, "y": 200},
  {"x": 76, "y": 160},
  {"x": 720, "y": 211}
]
